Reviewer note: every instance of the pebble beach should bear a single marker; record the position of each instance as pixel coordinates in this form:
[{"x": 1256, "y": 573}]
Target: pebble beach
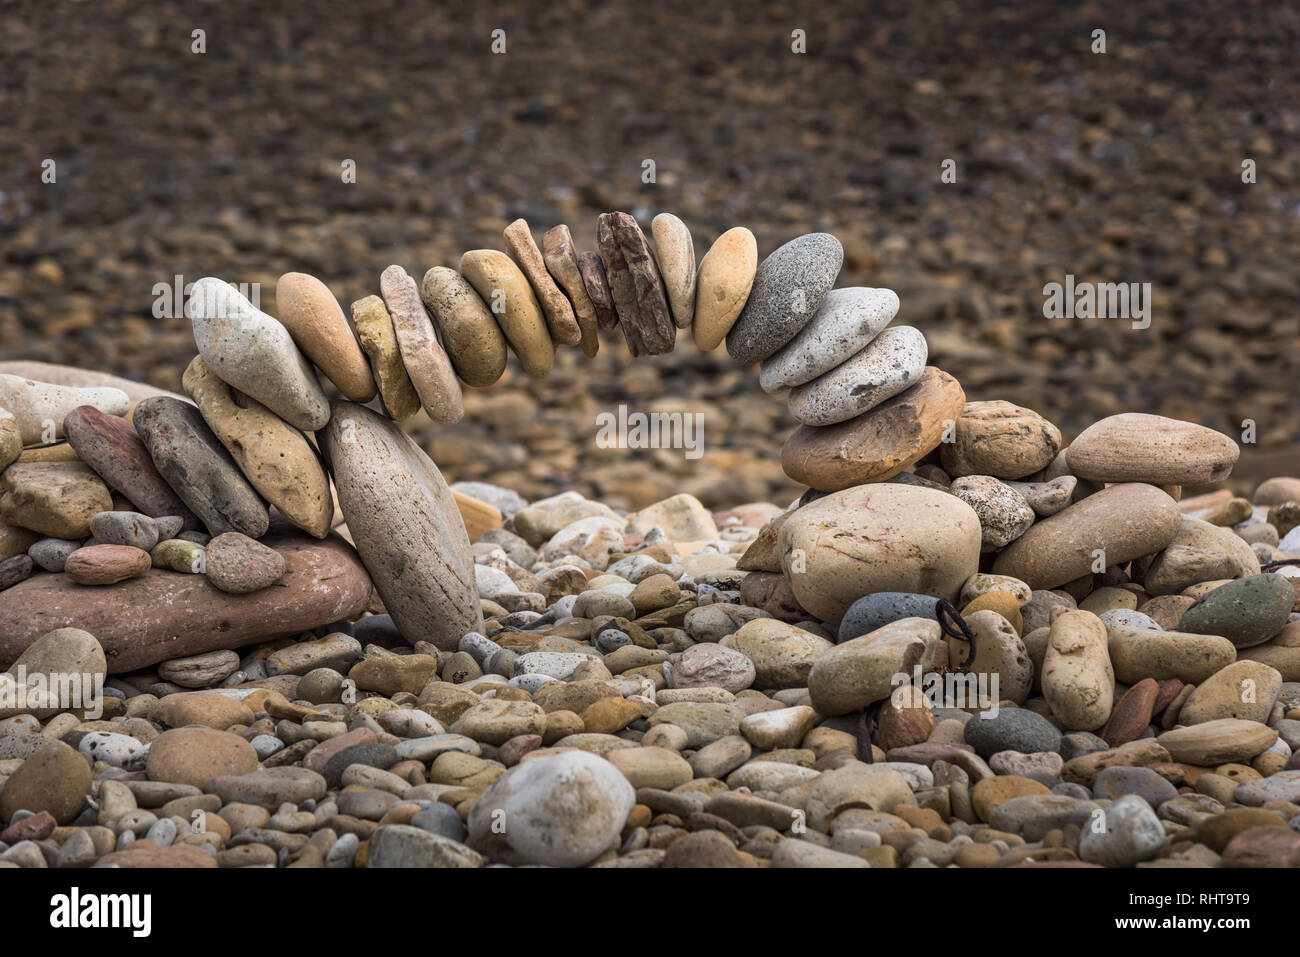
[{"x": 964, "y": 642}]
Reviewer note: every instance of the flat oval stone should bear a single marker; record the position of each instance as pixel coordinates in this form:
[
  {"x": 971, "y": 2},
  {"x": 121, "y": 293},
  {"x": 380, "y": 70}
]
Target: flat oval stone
[
  {"x": 560, "y": 319},
  {"x": 255, "y": 353},
  {"x": 722, "y": 286},
  {"x": 52, "y": 554},
  {"x": 561, "y": 258},
  {"x": 1000, "y": 439},
  {"x": 878, "y": 444},
  {"x": 1137, "y": 447},
  {"x": 1136, "y": 653},
  {"x": 426, "y": 363},
  {"x": 125, "y": 528},
  {"x": 407, "y": 529},
  {"x": 276, "y": 458},
  {"x": 847, "y": 322},
  {"x": 474, "y": 341},
  {"x": 160, "y": 615},
  {"x": 893, "y": 361},
  {"x": 1217, "y": 742},
  {"x": 1248, "y": 611},
  {"x": 511, "y": 299},
  {"x": 198, "y": 468},
  {"x": 878, "y": 538},
  {"x": 596, "y": 283},
  {"x": 379, "y": 340},
  {"x": 111, "y": 446},
  {"x": 39, "y": 408},
  {"x": 1125, "y": 521},
  {"x": 789, "y": 286},
  {"x": 635, "y": 285},
  {"x": 315, "y": 320},
  {"x": 238, "y": 565},
  {"x": 675, "y": 256},
  {"x": 11, "y": 439}
]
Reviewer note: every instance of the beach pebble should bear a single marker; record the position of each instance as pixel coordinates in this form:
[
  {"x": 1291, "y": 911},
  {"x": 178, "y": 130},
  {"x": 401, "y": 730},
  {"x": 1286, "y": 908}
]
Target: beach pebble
[
  {"x": 39, "y": 408},
  {"x": 894, "y": 360},
  {"x": 789, "y": 287},
  {"x": 316, "y": 321},
  {"x": 845, "y": 324}
]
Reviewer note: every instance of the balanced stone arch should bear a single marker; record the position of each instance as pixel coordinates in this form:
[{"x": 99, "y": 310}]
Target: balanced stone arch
[{"x": 304, "y": 611}]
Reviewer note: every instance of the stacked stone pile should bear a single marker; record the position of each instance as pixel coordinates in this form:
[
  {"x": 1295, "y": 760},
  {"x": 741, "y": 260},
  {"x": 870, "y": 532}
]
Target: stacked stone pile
[{"x": 316, "y": 653}]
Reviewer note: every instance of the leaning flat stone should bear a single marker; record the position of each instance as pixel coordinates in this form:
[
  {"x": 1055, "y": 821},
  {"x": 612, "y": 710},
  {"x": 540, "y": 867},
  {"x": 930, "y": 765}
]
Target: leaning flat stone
[
  {"x": 878, "y": 444},
  {"x": 255, "y": 354},
  {"x": 40, "y": 407},
  {"x": 893, "y": 361},
  {"x": 77, "y": 378},
  {"x": 596, "y": 283},
  {"x": 561, "y": 260},
  {"x": 788, "y": 289},
  {"x": 161, "y": 615},
  {"x": 844, "y": 325},
  {"x": 1136, "y": 447},
  {"x": 426, "y": 363},
  {"x": 559, "y": 313},
  {"x": 111, "y": 446},
  {"x": 404, "y": 521},
  {"x": 379, "y": 340},
  {"x": 510, "y": 298},
  {"x": 1217, "y": 742},
  {"x": 57, "y": 499},
  {"x": 195, "y": 464},
  {"x": 675, "y": 257},
  {"x": 636, "y": 286},
  {"x": 475, "y": 343},
  {"x": 1124, "y": 521},
  {"x": 723, "y": 284},
  {"x": 276, "y": 458},
  {"x": 315, "y": 320}
]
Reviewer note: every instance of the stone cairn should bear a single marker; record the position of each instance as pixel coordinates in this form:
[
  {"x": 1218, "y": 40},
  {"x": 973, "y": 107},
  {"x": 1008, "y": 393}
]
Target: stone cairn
[{"x": 666, "y": 688}]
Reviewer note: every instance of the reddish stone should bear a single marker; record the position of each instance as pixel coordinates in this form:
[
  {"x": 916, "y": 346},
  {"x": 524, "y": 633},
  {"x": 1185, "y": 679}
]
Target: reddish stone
[
  {"x": 145, "y": 853},
  {"x": 513, "y": 751},
  {"x": 106, "y": 564},
  {"x": 1132, "y": 714},
  {"x": 110, "y": 445},
  {"x": 772, "y": 593},
  {"x": 317, "y": 757},
  {"x": 1169, "y": 689},
  {"x": 35, "y": 828},
  {"x": 928, "y": 752},
  {"x": 1263, "y": 847}
]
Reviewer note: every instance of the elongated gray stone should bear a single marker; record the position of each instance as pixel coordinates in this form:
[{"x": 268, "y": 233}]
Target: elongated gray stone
[
  {"x": 198, "y": 468},
  {"x": 844, "y": 325},
  {"x": 893, "y": 361},
  {"x": 254, "y": 353},
  {"x": 405, "y": 524},
  {"x": 788, "y": 289}
]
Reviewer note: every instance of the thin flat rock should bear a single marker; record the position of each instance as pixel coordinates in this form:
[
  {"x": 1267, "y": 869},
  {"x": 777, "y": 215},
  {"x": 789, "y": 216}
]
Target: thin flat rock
[
  {"x": 426, "y": 363},
  {"x": 559, "y": 312}
]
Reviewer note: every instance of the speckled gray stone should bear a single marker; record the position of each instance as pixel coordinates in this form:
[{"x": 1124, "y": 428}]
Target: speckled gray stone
[
  {"x": 1014, "y": 729},
  {"x": 246, "y": 348},
  {"x": 1248, "y": 611},
  {"x": 788, "y": 289},
  {"x": 875, "y": 611},
  {"x": 844, "y": 325},
  {"x": 894, "y": 360}
]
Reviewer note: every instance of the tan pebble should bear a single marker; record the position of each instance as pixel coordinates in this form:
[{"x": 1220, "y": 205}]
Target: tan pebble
[{"x": 316, "y": 321}]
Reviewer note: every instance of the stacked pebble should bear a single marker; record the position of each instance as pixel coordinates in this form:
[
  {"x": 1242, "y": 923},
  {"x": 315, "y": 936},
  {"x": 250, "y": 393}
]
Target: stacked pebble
[{"x": 666, "y": 688}]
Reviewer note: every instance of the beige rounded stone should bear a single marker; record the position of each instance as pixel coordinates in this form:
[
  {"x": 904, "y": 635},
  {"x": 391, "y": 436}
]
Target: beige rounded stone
[
  {"x": 874, "y": 538},
  {"x": 474, "y": 341},
  {"x": 783, "y": 655},
  {"x": 1217, "y": 742},
  {"x": 426, "y": 363},
  {"x": 56, "y": 779},
  {"x": 1244, "y": 689},
  {"x": 196, "y": 755},
  {"x": 723, "y": 283},
  {"x": 39, "y": 408},
  {"x": 379, "y": 340},
  {"x": 1124, "y": 522},
  {"x": 999, "y": 650},
  {"x": 1137, "y": 447},
  {"x": 1282, "y": 652},
  {"x": 675, "y": 256},
  {"x": 510, "y": 298},
  {"x": 1077, "y": 678},
  {"x": 54, "y": 498},
  {"x": 1277, "y": 491},
  {"x": 651, "y": 767},
  {"x": 316, "y": 321},
  {"x": 11, "y": 439},
  {"x": 560, "y": 319},
  {"x": 1137, "y": 653},
  {"x": 1000, "y": 439},
  {"x": 856, "y": 673},
  {"x": 275, "y": 457}
]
